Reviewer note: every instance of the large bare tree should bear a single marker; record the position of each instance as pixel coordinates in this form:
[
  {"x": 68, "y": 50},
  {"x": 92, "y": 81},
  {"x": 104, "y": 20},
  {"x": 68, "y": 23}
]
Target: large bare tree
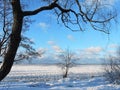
[
  {"x": 26, "y": 44},
  {"x": 78, "y": 13}
]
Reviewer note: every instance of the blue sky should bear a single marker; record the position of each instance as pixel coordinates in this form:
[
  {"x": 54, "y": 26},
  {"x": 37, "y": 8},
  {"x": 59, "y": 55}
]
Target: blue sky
[{"x": 53, "y": 37}]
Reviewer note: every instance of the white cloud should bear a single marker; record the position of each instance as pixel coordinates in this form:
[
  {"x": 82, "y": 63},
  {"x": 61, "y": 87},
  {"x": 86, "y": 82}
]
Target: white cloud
[
  {"x": 54, "y": 46},
  {"x": 51, "y": 42},
  {"x": 42, "y": 49},
  {"x": 44, "y": 25},
  {"x": 110, "y": 2},
  {"x": 113, "y": 46},
  {"x": 70, "y": 37},
  {"x": 94, "y": 49},
  {"x": 90, "y": 53},
  {"x": 57, "y": 48}
]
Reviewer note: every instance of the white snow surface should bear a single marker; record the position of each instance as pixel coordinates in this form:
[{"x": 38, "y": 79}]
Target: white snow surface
[{"x": 49, "y": 77}]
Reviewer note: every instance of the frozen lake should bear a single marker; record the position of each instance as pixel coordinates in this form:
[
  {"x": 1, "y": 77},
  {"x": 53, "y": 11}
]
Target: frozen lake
[
  {"x": 47, "y": 77},
  {"x": 38, "y": 73}
]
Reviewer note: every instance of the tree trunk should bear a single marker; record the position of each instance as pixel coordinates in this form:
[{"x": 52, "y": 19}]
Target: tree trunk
[
  {"x": 66, "y": 73},
  {"x": 15, "y": 39}
]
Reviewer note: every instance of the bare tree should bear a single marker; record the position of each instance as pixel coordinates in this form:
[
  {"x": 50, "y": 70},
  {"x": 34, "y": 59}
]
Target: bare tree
[
  {"x": 69, "y": 12},
  {"x": 67, "y": 61},
  {"x": 112, "y": 68},
  {"x": 25, "y": 44}
]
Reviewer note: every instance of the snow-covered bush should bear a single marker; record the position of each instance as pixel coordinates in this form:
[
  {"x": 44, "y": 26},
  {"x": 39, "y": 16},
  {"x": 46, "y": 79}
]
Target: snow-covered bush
[{"x": 112, "y": 69}]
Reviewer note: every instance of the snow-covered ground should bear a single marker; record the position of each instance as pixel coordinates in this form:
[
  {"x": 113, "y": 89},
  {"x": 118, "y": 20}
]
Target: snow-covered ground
[{"x": 49, "y": 77}]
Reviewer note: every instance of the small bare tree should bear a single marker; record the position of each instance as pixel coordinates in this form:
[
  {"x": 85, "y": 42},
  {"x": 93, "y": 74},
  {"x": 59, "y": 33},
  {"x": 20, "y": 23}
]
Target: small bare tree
[
  {"x": 112, "y": 69},
  {"x": 67, "y": 60}
]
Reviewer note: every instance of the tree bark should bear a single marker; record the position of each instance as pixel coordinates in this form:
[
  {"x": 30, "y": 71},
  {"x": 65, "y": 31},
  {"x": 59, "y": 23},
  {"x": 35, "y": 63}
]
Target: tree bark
[
  {"x": 15, "y": 39},
  {"x": 66, "y": 72}
]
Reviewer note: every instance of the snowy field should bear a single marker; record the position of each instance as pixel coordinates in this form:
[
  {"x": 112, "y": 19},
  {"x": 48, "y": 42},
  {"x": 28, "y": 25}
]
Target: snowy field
[{"x": 49, "y": 77}]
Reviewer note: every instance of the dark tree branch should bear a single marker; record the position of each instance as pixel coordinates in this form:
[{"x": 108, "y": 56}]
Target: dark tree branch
[{"x": 49, "y": 7}]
